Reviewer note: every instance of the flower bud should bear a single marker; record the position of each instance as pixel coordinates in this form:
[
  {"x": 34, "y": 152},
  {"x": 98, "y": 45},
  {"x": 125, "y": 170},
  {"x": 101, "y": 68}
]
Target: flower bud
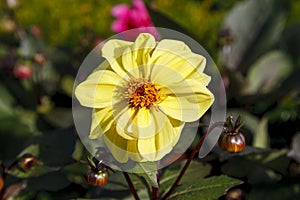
[
  {"x": 97, "y": 178},
  {"x": 22, "y": 72},
  {"x": 232, "y": 142},
  {"x": 39, "y": 58},
  {"x": 235, "y": 194},
  {"x": 27, "y": 162}
]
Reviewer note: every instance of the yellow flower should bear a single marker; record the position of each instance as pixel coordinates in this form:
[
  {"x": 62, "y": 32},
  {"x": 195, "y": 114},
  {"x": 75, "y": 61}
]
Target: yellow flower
[{"x": 143, "y": 94}]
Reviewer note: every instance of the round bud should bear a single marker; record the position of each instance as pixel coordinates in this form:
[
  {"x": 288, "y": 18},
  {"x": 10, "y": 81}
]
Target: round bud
[
  {"x": 97, "y": 178},
  {"x": 235, "y": 194},
  {"x": 22, "y": 71},
  {"x": 27, "y": 162},
  {"x": 232, "y": 142},
  {"x": 39, "y": 58}
]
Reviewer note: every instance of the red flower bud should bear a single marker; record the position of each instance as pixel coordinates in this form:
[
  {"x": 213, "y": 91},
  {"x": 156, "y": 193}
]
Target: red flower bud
[
  {"x": 232, "y": 142},
  {"x": 27, "y": 162},
  {"x": 97, "y": 178},
  {"x": 22, "y": 72}
]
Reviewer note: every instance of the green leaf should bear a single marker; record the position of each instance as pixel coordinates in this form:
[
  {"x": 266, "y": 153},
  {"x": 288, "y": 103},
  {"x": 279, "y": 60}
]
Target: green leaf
[
  {"x": 261, "y": 137},
  {"x": 51, "y": 182},
  {"x": 67, "y": 83},
  {"x": 265, "y": 25},
  {"x": 291, "y": 41},
  {"x": 288, "y": 189},
  {"x": 295, "y": 151},
  {"x": 33, "y": 149},
  {"x": 210, "y": 188},
  {"x": 60, "y": 117},
  {"x": 6, "y": 102},
  {"x": 196, "y": 172},
  {"x": 276, "y": 160},
  {"x": 268, "y": 72},
  {"x": 50, "y": 78},
  {"x": 57, "y": 147},
  {"x": 143, "y": 194},
  {"x": 147, "y": 170},
  {"x": 36, "y": 171},
  {"x": 258, "y": 168},
  {"x": 76, "y": 172}
]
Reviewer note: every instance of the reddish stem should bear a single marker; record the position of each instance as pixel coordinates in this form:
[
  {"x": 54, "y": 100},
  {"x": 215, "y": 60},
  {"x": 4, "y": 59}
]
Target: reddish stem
[
  {"x": 131, "y": 187},
  {"x": 188, "y": 162},
  {"x": 154, "y": 193}
]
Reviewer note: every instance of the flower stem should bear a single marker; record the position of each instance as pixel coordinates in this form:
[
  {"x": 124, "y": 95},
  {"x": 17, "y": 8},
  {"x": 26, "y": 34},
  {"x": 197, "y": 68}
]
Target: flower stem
[
  {"x": 188, "y": 162},
  {"x": 131, "y": 187},
  {"x": 154, "y": 193}
]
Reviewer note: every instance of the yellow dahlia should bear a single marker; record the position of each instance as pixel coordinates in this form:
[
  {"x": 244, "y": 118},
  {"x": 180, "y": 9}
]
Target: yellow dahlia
[{"x": 143, "y": 94}]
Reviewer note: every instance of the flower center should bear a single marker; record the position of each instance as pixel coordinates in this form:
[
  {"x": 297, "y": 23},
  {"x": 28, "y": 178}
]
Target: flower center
[{"x": 141, "y": 93}]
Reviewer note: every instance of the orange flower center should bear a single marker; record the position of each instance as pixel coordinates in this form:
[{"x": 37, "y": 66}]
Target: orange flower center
[{"x": 141, "y": 93}]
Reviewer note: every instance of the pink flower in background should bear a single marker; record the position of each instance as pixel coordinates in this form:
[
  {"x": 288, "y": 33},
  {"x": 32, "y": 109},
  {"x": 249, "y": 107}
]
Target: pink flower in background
[{"x": 128, "y": 18}]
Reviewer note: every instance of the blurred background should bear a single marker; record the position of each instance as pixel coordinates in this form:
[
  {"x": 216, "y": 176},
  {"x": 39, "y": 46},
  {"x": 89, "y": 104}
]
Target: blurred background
[{"x": 255, "y": 44}]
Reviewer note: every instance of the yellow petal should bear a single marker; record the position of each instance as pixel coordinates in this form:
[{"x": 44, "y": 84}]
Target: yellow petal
[
  {"x": 141, "y": 123},
  {"x": 177, "y": 56},
  {"x": 179, "y": 108},
  {"x": 148, "y": 122},
  {"x": 96, "y": 91},
  {"x": 121, "y": 148},
  {"x": 113, "y": 50},
  {"x": 138, "y": 54},
  {"x": 117, "y": 145},
  {"x": 187, "y": 100},
  {"x": 187, "y": 108},
  {"x": 155, "y": 148},
  {"x": 172, "y": 46},
  {"x": 124, "y": 123},
  {"x": 102, "y": 120},
  {"x": 204, "y": 79}
]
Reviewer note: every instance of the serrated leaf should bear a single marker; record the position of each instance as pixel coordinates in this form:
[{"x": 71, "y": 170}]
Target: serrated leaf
[{"x": 210, "y": 188}]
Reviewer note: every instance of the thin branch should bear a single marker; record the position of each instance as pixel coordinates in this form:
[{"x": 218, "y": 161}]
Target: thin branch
[
  {"x": 188, "y": 162},
  {"x": 131, "y": 187}
]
